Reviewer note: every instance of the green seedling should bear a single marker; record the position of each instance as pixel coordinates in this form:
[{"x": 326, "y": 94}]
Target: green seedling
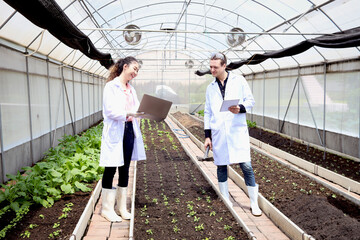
[
  {"x": 227, "y": 227},
  {"x": 199, "y": 227},
  {"x": 25, "y": 234}
]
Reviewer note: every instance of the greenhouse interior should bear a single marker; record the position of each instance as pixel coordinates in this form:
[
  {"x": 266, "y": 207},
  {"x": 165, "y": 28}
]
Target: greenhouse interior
[{"x": 301, "y": 64}]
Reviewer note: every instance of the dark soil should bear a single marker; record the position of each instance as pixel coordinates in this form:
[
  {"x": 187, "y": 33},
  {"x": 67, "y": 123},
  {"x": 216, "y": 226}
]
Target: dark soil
[
  {"x": 335, "y": 163},
  {"x": 173, "y": 199},
  {"x": 45, "y": 218},
  {"x": 313, "y": 207}
]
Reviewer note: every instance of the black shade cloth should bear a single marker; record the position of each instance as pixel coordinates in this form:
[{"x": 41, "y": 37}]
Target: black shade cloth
[
  {"x": 47, "y": 14},
  {"x": 344, "y": 39}
]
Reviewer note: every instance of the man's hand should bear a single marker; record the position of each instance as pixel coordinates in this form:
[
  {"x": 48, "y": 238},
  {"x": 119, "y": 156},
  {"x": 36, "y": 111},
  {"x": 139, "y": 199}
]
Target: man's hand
[
  {"x": 234, "y": 109},
  {"x": 208, "y": 143}
]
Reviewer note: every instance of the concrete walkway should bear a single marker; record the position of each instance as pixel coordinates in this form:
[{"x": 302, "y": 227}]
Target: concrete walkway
[{"x": 100, "y": 228}]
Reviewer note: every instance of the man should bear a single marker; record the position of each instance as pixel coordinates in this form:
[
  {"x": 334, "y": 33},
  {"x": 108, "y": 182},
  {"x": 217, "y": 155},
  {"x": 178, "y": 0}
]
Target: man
[{"x": 226, "y": 133}]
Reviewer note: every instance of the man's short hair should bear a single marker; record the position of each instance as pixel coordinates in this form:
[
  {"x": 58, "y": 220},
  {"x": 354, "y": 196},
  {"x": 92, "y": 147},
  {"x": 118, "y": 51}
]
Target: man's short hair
[{"x": 219, "y": 56}]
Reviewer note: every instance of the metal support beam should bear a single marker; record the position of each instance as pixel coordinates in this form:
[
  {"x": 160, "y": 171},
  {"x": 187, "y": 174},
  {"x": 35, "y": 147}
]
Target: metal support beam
[
  {"x": 312, "y": 115},
  {"x": 74, "y": 101},
  {"x": 68, "y": 103},
  {"x": 324, "y": 112},
  {"x": 2, "y": 147},
  {"x": 29, "y": 107},
  {"x": 263, "y": 103},
  {"x": 49, "y": 98},
  {"x": 278, "y": 101},
  {"x": 298, "y": 107},
  {"x": 287, "y": 109}
]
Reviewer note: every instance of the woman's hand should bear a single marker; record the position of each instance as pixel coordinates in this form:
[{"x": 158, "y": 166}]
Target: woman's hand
[{"x": 136, "y": 114}]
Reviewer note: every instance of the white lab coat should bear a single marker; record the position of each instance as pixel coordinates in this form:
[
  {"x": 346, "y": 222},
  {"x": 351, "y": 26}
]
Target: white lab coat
[
  {"x": 229, "y": 132},
  {"x": 114, "y": 113}
]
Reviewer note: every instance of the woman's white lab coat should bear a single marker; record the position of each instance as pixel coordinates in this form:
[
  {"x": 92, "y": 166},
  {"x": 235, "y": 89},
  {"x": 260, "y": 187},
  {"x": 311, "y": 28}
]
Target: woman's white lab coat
[
  {"x": 229, "y": 132},
  {"x": 114, "y": 101}
]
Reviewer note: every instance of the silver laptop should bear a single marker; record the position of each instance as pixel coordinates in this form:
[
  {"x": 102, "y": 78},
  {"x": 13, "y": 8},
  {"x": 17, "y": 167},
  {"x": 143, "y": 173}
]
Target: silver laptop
[{"x": 154, "y": 108}]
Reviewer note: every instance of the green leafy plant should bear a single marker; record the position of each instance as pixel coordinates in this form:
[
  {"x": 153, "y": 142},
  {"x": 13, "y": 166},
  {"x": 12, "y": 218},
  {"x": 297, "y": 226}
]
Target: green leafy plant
[
  {"x": 227, "y": 227},
  {"x": 66, "y": 168},
  {"x": 25, "y": 234},
  {"x": 199, "y": 227},
  {"x": 176, "y": 229}
]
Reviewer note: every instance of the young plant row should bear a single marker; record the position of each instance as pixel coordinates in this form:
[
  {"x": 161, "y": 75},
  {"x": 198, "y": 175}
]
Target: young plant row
[
  {"x": 173, "y": 199},
  {"x": 313, "y": 207},
  {"x": 66, "y": 168}
]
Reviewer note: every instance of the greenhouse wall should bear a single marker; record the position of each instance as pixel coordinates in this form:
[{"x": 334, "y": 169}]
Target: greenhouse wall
[
  {"x": 310, "y": 99},
  {"x": 40, "y": 101}
]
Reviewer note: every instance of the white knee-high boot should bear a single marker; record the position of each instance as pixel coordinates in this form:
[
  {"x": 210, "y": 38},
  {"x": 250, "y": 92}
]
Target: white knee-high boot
[
  {"x": 253, "y": 195},
  {"x": 223, "y": 187},
  {"x": 108, "y": 204},
  {"x": 121, "y": 196}
]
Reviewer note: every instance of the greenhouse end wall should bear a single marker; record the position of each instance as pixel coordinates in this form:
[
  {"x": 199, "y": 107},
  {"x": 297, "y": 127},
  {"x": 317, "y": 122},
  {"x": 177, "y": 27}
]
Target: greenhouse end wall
[{"x": 40, "y": 101}]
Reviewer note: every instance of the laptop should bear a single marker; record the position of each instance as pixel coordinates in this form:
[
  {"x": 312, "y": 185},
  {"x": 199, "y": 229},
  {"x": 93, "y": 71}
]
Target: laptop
[{"x": 154, "y": 108}]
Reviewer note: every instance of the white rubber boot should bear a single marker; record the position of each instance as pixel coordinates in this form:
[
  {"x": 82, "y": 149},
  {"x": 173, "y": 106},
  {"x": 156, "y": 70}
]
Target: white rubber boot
[
  {"x": 253, "y": 195},
  {"x": 223, "y": 187},
  {"x": 108, "y": 203},
  {"x": 121, "y": 196}
]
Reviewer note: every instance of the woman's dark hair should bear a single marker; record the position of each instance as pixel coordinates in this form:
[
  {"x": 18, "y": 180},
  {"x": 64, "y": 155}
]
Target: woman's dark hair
[{"x": 117, "y": 68}]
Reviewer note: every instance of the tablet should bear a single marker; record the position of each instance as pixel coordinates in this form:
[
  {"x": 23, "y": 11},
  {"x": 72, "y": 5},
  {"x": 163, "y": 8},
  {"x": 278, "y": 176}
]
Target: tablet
[
  {"x": 228, "y": 103},
  {"x": 154, "y": 108}
]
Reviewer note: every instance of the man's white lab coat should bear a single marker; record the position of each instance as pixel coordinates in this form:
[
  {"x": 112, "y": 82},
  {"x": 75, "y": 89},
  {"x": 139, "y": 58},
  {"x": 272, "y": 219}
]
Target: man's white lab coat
[{"x": 229, "y": 132}]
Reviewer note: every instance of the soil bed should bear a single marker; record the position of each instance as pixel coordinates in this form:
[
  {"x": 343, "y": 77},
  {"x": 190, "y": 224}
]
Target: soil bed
[
  {"x": 343, "y": 166},
  {"x": 43, "y": 219},
  {"x": 173, "y": 199},
  {"x": 314, "y": 208}
]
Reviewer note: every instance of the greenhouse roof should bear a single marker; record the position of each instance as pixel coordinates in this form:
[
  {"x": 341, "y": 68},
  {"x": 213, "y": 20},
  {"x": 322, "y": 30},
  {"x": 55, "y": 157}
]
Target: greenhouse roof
[{"x": 188, "y": 28}]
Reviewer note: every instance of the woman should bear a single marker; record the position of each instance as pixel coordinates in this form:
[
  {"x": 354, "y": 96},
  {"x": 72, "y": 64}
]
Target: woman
[{"x": 121, "y": 137}]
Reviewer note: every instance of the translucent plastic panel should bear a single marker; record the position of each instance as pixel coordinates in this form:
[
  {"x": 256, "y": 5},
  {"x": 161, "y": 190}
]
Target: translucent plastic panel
[
  {"x": 39, "y": 97},
  {"x": 343, "y": 12},
  {"x": 342, "y": 105},
  {"x": 25, "y": 35},
  {"x": 85, "y": 95},
  {"x": 257, "y": 87},
  {"x": 91, "y": 94},
  {"x": 78, "y": 101},
  {"x": 12, "y": 60},
  {"x": 271, "y": 98},
  {"x": 311, "y": 101},
  {"x": 5, "y": 12},
  {"x": 14, "y": 106},
  {"x": 340, "y": 54},
  {"x": 60, "y": 52},
  {"x": 309, "y": 57},
  {"x": 57, "y": 103},
  {"x": 286, "y": 88},
  {"x": 69, "y": 101},
  {"x": 75, "y": 12},
  {"x": 44, "y": 43},
  {"x": 54, "y": 70},
  {"x": 252, "y": 10},
  {"x": 81, "y": 62}
]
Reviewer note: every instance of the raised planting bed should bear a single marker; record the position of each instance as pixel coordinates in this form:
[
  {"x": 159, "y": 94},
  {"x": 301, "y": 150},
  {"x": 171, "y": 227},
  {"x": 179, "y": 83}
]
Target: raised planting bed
[
  {"x": 173, "y": 199},
  {"x": 47, "y": 201},
  {"x": 314, "y": 208},
  {"x": 341, "y": 165}
]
